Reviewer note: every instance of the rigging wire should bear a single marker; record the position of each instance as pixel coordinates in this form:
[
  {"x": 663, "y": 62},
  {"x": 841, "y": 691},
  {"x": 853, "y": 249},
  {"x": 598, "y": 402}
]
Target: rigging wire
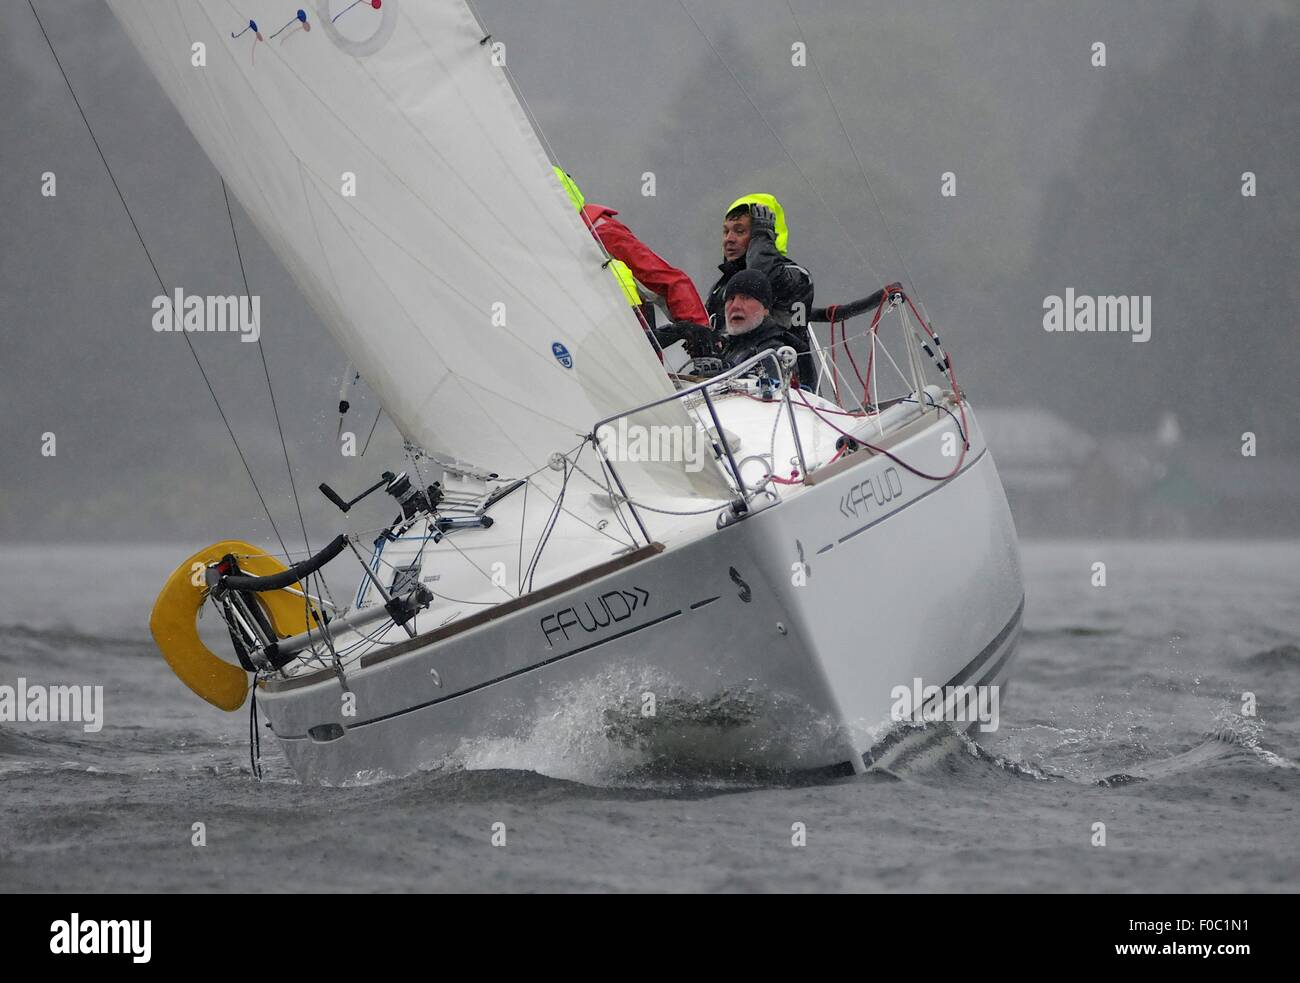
[
  {"x": 889, "y": 234},
  {"x": 536, "y": 124},
  {"x": 366, "y": 447},
  {"x": 266, "y": 371},
  {"x": 523, "y": 526},
  {"x": 619, "y": 497},
  {"x": 465, "y": 556},
  {"x": 570, "y": 467},
  {"x": 149, "y": 256},
  {"x": 594, "y": 528},
  {"x": 550, "y": 523},
  {"x": 322, "y": 586},
  {"x": 893, "y": 457},
  {"x": 609, "y": 491},
  {"x": 832, "y": 213}
]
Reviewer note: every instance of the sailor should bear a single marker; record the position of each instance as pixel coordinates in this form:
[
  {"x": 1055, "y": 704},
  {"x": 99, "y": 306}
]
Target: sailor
[
  {"x": 755, "y": 237},
  {"x": 669, "y": 285},
  {"x": 638, "y": 268},
  {"x": 749, "y": 325},
  {"x": 672, "y": 286}
]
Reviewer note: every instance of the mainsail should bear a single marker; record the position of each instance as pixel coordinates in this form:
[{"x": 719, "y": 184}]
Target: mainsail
[{"x": 392, "y": 169}]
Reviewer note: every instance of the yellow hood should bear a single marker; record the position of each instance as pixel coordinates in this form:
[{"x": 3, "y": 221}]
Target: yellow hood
[{"x": 782, "y": 230}]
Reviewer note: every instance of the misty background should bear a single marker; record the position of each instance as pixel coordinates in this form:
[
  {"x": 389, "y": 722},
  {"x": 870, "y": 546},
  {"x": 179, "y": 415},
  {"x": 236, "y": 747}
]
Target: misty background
[{"x": 1117, "y": 180}]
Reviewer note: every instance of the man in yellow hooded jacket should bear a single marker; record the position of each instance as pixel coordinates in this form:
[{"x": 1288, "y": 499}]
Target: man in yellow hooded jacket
[{"x": 755, "y": 237}]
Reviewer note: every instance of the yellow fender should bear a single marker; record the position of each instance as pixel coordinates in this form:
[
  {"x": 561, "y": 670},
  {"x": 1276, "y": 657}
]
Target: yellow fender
[{"x": 174, "y": 622}]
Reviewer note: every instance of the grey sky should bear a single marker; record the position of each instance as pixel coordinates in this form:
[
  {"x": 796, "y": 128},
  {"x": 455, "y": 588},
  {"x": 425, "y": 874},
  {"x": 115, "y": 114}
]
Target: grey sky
[{"x": 1001, "y": 93}]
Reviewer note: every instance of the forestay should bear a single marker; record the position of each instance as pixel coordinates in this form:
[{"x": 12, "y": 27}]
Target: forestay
[{"x": 458, "y": 277}]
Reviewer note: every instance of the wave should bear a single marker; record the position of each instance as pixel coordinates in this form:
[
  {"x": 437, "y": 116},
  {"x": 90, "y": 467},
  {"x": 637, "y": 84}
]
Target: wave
[
  {"x": 1067, "y": 631},
  {"x": 913, "y": 750},
  {"x": 923, "y": 752},
  {"x": 1231, "y": 738},
  {"x": 14, "y": 744},
  {"x": 602, "y": 733},
  {"x": 42, "y": 752},
  {"x": 33, "y": 640},
  {"x": 1278, "y": 657}
]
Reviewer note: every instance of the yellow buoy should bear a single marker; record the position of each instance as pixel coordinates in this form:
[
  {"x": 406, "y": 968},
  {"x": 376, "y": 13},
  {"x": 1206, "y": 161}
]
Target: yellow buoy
[{"x": 174, "y": 622}]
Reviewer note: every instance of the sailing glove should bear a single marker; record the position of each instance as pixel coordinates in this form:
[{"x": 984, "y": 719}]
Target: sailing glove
[
  {"x": 699, "y": 340},
  {"x": 762, "y": 220}
]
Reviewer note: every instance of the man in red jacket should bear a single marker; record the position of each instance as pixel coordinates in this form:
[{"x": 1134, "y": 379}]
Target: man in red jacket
[
  {"x": 690, "y": 320},
  {"x": 650, "y": 269},
  {"x": 640, "y": 270}
]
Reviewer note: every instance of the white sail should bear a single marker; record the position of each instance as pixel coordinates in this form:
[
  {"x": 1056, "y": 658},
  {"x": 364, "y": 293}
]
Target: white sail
[{"x": 458, "y": 268}]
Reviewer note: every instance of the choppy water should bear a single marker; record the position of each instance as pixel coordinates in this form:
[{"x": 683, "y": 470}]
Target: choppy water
[{"x": 1125, "y": 710}]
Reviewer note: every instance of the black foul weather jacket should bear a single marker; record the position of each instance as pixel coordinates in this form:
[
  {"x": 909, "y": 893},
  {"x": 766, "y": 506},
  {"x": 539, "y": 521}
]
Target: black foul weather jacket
[
  {"x": 792, "y": 288},
  {"x": 769, "y": 334}
]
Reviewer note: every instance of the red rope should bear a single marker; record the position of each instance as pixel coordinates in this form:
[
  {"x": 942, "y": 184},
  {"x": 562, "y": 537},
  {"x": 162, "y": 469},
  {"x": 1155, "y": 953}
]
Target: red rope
[
  {"x": 832, "y": 312},
  {"x": 880, "y": 450},
  {"x": 871, "y": 355},
  {"x": 852, "y": 360},
  {"x": 858, "y": 416},
  {"x": 795, "y": 480},
  {"x": 952, "y": 375}
]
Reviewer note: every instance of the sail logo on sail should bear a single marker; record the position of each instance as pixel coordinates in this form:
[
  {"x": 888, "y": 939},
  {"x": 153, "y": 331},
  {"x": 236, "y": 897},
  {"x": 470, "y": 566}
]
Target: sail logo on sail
[
  {"x": 240, "y": 315},
  {"x": 561, "y": 354}
]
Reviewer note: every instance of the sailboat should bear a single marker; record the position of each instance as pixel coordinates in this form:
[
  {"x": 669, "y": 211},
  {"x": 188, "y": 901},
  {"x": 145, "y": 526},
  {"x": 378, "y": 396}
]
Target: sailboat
[{"x": 728, "y": 567}]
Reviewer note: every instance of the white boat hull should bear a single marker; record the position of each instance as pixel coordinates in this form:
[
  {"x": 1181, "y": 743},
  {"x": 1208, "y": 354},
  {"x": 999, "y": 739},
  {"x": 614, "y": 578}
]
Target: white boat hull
[{"x": 719, "y": 650}]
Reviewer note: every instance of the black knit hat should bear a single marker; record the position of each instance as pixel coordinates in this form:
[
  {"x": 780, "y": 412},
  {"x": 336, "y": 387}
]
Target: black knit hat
[{"x": 751, "y": 283}]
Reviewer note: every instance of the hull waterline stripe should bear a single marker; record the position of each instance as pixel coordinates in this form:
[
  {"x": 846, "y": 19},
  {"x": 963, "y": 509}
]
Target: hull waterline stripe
[
  {"x": 977, "y": 663},
  {"x": 845, "y": 768},
  {"x": 923, "y": 495},
  {"x": 997, "y": 667},
  {"x": 970, "y": 669}
]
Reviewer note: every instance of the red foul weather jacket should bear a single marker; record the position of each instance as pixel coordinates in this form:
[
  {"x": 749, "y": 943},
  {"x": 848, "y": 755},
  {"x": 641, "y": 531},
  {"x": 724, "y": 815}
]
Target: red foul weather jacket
[{"x": 650, "y": 269}]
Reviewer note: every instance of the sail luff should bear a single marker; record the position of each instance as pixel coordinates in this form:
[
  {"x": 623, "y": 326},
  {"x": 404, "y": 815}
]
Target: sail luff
[{"x": 458, "y": 265}]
